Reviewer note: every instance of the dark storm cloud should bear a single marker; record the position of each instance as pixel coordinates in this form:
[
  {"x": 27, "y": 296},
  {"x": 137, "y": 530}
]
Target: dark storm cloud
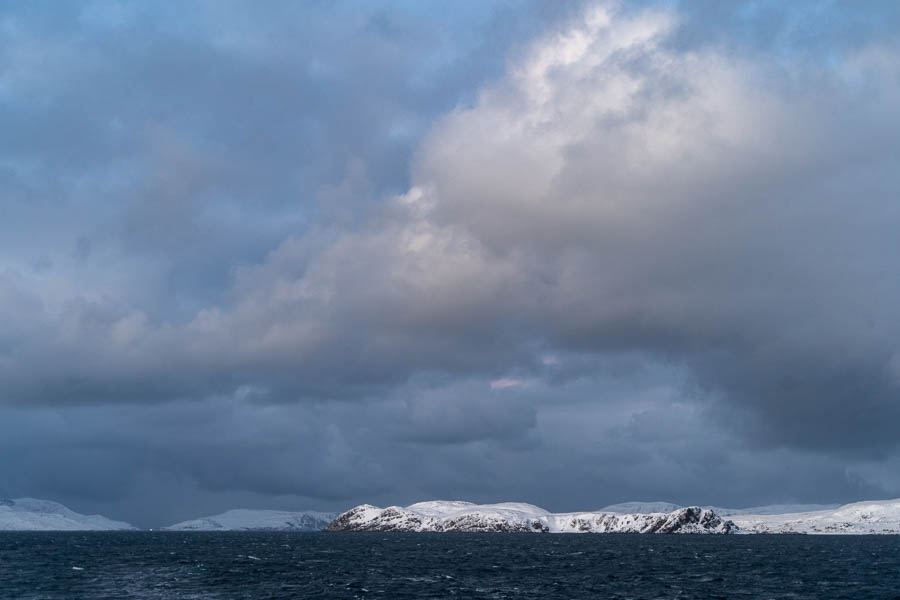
[
  {"x": 158, "y": 464},
  {"x": 196, "y": 139},
  {"x": 333, "y": 253}
]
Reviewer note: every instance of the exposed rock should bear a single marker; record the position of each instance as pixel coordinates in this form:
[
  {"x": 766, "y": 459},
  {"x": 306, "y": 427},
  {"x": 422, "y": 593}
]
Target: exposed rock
[{"x": 514, "y": 517}]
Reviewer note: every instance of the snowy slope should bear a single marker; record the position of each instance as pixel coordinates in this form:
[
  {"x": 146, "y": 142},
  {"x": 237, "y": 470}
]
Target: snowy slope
[
  {"x": 774, "y": 509},
  {"x": 29, "y": 514},
  {"x": 881, "y": 517},
  {"x": 441, "y": 516},
  {"x": 771, "y": 509},
  {"x": 247, "y": 520},
  {"x": 641, "y": 507}
]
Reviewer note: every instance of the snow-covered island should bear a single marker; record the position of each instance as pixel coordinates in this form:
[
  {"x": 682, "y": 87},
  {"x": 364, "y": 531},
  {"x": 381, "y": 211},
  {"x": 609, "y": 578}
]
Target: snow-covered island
[
  {"x": 258, "y": 520},
  {"x": 444, "y": 516},
  {"x": 29, "y": 514},
  {"x": 870, "y": 517}
]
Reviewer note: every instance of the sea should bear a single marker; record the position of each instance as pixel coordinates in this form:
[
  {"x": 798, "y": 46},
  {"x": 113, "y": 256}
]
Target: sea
[{"x": 176, "y": 565}]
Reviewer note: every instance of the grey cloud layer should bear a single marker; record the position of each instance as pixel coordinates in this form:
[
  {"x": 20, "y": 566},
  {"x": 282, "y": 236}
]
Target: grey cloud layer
[{"x": 674, "y": 256}]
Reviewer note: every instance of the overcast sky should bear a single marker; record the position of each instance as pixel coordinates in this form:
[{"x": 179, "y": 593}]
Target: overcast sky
[{"x": 304, "y": 255}]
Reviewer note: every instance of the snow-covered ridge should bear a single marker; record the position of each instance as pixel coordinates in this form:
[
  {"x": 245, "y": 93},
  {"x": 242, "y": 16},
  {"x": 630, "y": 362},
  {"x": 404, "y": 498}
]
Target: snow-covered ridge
[
  {"x": 641, "y": 507},
  {"x": 771, "y": 509},
  {"x": 774, "y": 509},
  {"x": 30, "y": 514},
  {"x": 258, "y": 520},
  {"x": 443, "y": 516},
  {"x": 869, "y": 517}
]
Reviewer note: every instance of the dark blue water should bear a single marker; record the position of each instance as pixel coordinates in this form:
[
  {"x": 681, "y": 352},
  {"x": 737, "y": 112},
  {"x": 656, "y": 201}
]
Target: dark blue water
[{"x": 358, "y": 565}]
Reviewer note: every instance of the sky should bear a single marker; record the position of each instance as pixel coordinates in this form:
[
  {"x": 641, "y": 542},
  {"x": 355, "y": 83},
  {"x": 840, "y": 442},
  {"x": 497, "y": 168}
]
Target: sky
[{"x": 311, "y": 254}]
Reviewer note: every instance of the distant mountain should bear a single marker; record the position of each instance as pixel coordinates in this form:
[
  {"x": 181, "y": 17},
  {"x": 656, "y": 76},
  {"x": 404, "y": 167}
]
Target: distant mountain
[
  {"x": 641, "y": 508},
  {"x": 774, "y": 509},
  {"x": 29, "y": 514},
  {"x": 258, "y": 520},
  {"x": 443, "y": 516}
]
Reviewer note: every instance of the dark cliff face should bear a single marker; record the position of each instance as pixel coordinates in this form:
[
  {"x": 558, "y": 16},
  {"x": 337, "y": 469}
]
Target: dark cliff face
[
  {"x": 710, "y": 519},
  {"x": 471, "y": 523},
  {"x": 390, "y": 519},
  {"x": 692, "y": 515}
]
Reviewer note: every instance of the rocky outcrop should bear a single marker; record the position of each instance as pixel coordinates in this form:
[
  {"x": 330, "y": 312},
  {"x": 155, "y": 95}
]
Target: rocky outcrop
[{"x": 691, "y": 519}]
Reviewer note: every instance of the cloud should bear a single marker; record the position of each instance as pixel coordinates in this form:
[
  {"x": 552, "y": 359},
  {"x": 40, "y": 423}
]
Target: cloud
[
  {"x": 507, "y": 382},
  {"x": 614, "y": 193}
]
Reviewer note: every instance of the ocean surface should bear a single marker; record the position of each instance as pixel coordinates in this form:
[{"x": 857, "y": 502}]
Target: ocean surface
[{"x": 370, "y": 565}]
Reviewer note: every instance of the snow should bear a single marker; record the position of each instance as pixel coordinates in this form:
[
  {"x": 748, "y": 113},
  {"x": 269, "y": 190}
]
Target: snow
[
  {"x": 774, "y": 509},
  {"x": 869, "y": 517},
  {"x": 878, "y": 517},
  {"x": 641, "y": 507},
  {"x": 437, "y": 508},
  {"x": 245, "y": 520},
  {"x": 771, "y": 509},
  {"x": 30, "y": 514},
  {"x": 442, "y": 516}
]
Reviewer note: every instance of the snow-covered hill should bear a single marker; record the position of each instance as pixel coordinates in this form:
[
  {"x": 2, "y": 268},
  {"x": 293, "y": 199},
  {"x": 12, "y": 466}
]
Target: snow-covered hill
[
  {"x": 262, "y": 520},
  {"x": 867, "y": 517},
  {"x": 882, "y": 517},
  {"x": 29, "y": 514},
  {"x": 641, "y": 507},
  {"x": 771, "y": 509},
  {"x": 443, "y": 516}
]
